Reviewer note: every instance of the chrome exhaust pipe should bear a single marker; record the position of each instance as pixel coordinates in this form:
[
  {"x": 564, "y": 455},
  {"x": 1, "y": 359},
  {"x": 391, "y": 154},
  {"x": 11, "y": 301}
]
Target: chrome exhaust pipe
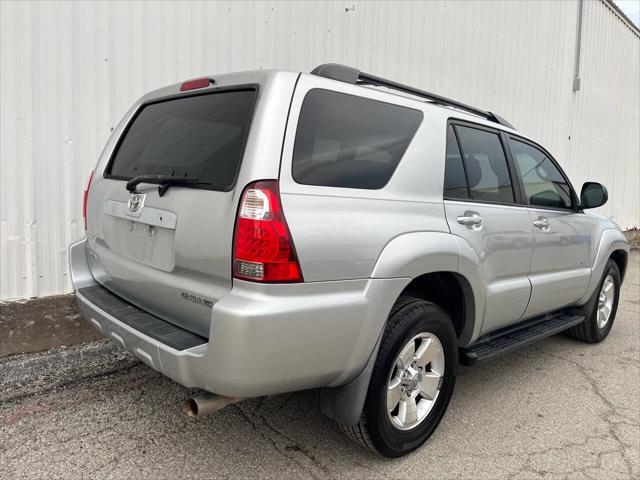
[{"x": 200, "y": 406}]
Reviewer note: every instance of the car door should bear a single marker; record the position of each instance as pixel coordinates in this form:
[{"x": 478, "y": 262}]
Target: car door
[
  {"x": 559, "y": 271},
  {"x": 483, "y": 211}
]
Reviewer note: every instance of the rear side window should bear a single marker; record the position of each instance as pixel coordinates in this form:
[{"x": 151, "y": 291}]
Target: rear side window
[
  {"x": 201, "y": 137},
  {"x": 544, "y": 185},
  {"x": 455, "y": 180},
  {"x": 348, "y": 141},
  {"x": 486, "y": 165}
]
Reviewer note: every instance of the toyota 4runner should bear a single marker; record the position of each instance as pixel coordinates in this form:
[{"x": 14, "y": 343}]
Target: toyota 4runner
[{"x": 265, "y": 232}]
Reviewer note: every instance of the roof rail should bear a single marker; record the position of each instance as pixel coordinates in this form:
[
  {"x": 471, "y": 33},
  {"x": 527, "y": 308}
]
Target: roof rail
[{"x": 354, "y": 76}]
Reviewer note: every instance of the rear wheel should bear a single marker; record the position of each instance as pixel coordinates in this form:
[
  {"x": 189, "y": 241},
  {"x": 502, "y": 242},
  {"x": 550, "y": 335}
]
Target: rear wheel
[
  {"x": 412, "y": 379},
  {"x": 600, "y": 320}
]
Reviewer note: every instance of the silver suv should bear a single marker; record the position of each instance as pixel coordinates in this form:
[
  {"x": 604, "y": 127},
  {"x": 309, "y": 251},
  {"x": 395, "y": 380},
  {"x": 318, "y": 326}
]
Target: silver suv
[{"x": 265, "y": 232}]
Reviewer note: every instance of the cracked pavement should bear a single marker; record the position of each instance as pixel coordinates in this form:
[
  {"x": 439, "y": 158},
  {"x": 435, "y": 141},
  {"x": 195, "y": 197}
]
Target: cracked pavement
[{"x": 558, "y": 409}]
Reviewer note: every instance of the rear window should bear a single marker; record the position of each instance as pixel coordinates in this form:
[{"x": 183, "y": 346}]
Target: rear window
[
  {"x": 485, "y": 165},
  {"x": 201, "y": 137},
  {"x": 351, "y": 142},
  {"x": 455, "y": 179}
]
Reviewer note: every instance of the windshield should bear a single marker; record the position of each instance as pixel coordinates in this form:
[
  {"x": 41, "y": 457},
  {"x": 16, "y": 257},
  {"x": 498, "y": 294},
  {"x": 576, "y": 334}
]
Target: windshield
[{"x": 200, "y": 137}]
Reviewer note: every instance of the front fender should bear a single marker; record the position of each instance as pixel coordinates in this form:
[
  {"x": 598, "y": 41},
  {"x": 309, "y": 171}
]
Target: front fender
[{"x": 611, "y": 240}]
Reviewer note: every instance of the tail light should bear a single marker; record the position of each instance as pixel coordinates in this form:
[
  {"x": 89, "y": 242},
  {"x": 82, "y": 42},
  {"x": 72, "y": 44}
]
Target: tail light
[
  {"x": 263, "y": 250},
  {"x": 84, "y": 201}
]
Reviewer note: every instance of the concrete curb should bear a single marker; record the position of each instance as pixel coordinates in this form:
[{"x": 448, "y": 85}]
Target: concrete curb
[
  {"x": 634, "y": 238},
  {"x": 42, "y": 323}
]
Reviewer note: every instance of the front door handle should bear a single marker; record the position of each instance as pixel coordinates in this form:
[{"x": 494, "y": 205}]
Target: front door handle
[
  {"x": 470, "y": 219},
  {"x": 541, "y": 223}
]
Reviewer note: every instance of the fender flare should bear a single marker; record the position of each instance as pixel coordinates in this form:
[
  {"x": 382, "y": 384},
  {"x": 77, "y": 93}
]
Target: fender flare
[
  {"x": 611, "y": 240},
  {"x": 407, "y": 256}
]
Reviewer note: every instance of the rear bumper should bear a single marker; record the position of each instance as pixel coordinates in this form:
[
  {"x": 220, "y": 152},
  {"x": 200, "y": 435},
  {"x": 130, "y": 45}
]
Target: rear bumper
[{"x": 263, "y": 339}]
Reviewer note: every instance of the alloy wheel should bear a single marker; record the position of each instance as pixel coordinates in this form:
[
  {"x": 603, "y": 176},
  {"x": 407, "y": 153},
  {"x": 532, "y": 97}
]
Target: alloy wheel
[
  {"x": 605, "y": 301},
  {"x": 415, "y": 381}
]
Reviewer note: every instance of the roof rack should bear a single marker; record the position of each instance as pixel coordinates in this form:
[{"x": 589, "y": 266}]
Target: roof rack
[{"x": 354, "y": 76}]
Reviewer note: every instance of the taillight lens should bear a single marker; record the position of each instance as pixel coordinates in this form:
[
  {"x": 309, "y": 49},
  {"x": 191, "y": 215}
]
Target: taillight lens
[
  {"x": 263, "y": 249},
  {"x": 84, "y": 201}
]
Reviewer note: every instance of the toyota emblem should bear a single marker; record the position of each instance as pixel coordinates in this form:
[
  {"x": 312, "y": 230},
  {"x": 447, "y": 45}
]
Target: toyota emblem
[{"x": 135, "y": 202}]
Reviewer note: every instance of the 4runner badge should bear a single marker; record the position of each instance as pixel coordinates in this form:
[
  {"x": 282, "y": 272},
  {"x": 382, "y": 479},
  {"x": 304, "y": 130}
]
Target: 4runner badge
[{"x": 196, "y": 299}]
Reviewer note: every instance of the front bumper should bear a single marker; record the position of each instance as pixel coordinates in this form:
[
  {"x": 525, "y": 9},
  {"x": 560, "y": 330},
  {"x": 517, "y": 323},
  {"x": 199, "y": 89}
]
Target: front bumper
[{"x": 263, "y": 339}]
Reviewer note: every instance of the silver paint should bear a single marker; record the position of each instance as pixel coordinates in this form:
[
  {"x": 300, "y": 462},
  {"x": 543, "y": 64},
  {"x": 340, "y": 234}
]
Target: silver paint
[{"x": 358, "y": 250}]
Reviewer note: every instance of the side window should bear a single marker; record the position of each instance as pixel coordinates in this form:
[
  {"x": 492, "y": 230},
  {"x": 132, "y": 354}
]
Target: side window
[
  {"x": 455, "y": 180},
  {"x": 486, "y": 165},
  {"x": 544, "y": 185},
  {"x": 348, "y": 141}
]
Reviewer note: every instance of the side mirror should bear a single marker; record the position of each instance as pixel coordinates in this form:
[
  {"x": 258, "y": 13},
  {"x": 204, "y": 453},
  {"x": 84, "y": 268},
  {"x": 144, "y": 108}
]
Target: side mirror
[{"x": 593, "y": 195}]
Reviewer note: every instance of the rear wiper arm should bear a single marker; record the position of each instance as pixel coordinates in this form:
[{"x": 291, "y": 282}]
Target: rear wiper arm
[{"x": 165, "y": 181}]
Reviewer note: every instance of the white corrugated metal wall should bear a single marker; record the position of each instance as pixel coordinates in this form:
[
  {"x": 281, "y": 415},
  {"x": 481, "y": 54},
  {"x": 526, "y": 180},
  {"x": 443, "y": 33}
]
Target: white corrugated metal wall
[{"x": 70, "y": 70}]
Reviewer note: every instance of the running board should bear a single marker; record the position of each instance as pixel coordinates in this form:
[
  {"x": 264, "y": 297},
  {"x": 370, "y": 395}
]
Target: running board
[{"x": 512, "y": 338}]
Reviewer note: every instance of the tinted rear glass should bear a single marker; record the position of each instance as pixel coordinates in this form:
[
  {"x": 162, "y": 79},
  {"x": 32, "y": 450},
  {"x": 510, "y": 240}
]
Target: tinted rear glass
[
  {"x": 455, "y": 180},
  {"x": 348, "y": 141},
  {"x": 200, "y": 137},
  {"x": 485, "y": 165}
]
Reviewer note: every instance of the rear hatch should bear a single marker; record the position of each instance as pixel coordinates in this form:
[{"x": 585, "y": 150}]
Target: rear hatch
[{"x": 169, "y": 252}]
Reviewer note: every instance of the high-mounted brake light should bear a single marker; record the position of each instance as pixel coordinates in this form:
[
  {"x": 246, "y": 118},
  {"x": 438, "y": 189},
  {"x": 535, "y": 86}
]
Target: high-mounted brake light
[
  {"x": 84, "y": 201},
  {"x": 196, "y": 83},
  {"x": 263, "y": 249}
]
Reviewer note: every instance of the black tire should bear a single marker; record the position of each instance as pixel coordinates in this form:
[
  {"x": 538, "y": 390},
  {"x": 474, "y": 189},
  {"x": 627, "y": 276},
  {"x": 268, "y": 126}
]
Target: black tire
[
  {"x": 409, "y": 317},
  {"x": 589, "y": 331}
]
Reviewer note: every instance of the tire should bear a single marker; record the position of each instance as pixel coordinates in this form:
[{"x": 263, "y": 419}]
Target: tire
[
  {"x": 592, "y": 330},
  {"x": 426, "y": 324}
]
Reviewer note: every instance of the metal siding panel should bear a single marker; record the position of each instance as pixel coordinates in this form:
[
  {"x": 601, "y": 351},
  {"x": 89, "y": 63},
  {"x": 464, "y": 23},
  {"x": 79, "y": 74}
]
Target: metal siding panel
[{"x": 70, "y": 70}]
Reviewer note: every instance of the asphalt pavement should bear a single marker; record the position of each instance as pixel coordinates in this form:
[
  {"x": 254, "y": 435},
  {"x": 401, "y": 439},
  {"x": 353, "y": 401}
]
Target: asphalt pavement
[{"x": 558, "y": 409}]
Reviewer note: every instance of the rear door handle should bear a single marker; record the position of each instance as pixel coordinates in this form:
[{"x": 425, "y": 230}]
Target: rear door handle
[
  {"x": 471, "y": 220},
  {"x": 541, "y": 223}
]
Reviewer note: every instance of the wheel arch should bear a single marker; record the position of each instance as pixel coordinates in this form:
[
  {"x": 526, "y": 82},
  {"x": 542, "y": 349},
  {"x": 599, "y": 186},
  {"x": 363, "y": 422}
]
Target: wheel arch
[
  {"x": 427, "y": 258},
  {"x": 620, "y": 257},
  {"x": 430, "y": 262},
  {"x": 451, "y": 291},
  {"x": 612, "y": 246}
]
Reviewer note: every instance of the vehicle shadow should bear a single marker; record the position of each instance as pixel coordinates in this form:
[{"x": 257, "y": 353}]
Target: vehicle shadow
[{"x": 500, "y": 399}]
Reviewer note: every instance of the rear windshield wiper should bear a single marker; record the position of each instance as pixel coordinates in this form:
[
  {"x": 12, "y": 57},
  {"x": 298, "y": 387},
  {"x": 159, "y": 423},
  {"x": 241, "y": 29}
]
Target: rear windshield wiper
[{"x": 165, "y": 181}]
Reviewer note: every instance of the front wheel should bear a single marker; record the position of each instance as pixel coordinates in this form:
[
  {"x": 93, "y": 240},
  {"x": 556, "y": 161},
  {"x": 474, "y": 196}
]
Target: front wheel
[
  {"x": 412, "y": 379},
  {"x": 600, "y": 320}
]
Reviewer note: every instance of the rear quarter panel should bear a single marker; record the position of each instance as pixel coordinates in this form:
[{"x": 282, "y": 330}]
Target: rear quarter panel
[{"x": 339, "y": 233}]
